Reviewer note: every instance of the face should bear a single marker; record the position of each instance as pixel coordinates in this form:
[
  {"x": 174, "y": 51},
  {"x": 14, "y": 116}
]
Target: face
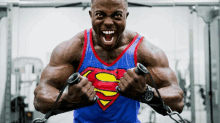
[{"x": 108, "y": 21}]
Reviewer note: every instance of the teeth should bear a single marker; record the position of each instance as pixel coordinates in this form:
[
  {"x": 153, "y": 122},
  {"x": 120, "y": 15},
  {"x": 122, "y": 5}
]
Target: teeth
[{"x": 108, "y": 32}]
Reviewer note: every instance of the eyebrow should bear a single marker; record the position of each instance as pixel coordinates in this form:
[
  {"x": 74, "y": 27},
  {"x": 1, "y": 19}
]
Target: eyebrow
[
  {"x": 98, "y": 11},
  {"x": 114, "y": 12},
  {"x": 118, "y": 11}
]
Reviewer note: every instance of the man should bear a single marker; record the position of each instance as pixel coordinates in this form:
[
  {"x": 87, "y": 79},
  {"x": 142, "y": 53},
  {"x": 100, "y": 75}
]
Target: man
[{"x": 106, "y": 56}]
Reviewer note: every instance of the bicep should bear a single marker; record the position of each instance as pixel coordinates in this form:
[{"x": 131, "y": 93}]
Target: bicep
[
  {"x": 157, "y": 63},
  {"x": 163, "y": 76},
  {"x": 56, "y": 76},
  {"x": 167, "y": 84},
  {"x": 60, "y": 66},
  {"x": 53, "y": 78}
]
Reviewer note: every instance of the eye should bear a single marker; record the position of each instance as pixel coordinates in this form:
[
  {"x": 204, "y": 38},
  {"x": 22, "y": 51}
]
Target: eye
[
  {"x": 118, "y": 15},
  {"x": 99, "y": 14}
]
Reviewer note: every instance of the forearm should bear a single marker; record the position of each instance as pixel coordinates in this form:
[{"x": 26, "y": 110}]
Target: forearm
[
  {"x": 44, "y": 103},
  {"x": 44, "y": 100},
  {"x": 172, "y": 98},
  {"x": 64, "y": 105}
]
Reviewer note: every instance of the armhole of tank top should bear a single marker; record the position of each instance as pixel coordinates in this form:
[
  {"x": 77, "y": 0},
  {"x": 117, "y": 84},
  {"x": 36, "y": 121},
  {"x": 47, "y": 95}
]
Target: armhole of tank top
[
  {"x": 84, "y": 50},
  {"x": 135, "y": 51}
]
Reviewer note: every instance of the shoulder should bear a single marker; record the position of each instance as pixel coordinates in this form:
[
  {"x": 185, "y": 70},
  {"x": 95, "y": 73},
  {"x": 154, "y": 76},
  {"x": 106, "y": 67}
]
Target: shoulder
[
  {"x": 68, "y": 51},
  {"x": 151, "y": 55},
  {"x": 128, "y": 34}
]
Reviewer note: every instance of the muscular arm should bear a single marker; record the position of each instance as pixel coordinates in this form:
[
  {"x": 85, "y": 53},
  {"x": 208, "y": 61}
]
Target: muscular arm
[
  {"x": 157, "y": 63},
  {"x": 63, "y": 63}
]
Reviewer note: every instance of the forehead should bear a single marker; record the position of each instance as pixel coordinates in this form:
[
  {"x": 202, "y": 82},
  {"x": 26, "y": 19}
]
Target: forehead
[{"x": 108, "y": 4}]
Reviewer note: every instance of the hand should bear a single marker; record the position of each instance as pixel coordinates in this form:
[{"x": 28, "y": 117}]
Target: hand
[
  {"x": 132, "y": 85},
  {"x": 81, "y": 93}
]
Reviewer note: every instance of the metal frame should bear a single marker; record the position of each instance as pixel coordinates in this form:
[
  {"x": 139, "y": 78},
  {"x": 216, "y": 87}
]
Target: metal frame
[
  {"x": 191, "y": 68},
  {"x": 42, "y": 4},
  {"x": 22, "y": 4},
  {"x": 88, "y": 4},
  {"x": 6, "y": 112},
  {"x": 3, "y": 13},
  {"x": 6, "y": 116},
  {"x": 218, "y": 66},
  {"x": 9, "y": 61},
  {"x": 214, "y": 66},
  {"x": 209, "y": 14}
]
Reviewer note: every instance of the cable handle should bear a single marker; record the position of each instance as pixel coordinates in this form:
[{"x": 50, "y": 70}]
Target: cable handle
[
  {"x": 140, "y": 70},
  {"x": 171, "y": 113},
  {"x": 73, "y": 79}
]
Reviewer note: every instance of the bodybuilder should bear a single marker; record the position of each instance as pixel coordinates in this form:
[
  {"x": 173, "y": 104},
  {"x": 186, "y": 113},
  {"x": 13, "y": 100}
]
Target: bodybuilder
[{"x": 106, "y": 56}]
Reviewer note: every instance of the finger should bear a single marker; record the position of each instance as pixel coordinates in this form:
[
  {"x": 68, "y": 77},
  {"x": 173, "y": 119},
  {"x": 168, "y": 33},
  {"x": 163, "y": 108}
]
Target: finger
[
  {"x": 137, "y": 78},
  {"x": 92, "y": 96},
  {"x": 127, "y": 77},
  {"x": 90, "y": 91},
  {"x": 132, "y": 74},
  {"x": 121, "y": 84},
  {"x": 72, "y": 88},
  {"x": 83, "y": 82},
  {"x": 88, "y": 85},
  {"x": 86, "y": 89}
]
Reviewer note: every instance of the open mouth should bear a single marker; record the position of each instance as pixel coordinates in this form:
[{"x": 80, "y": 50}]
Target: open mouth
[{"x": 108, "y": 36}]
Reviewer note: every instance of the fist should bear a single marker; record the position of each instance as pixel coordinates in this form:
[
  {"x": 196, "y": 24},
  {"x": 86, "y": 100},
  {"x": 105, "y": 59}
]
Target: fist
[
  {"x": 131, "y": 84},
  {"x": 81, "y": 93}
]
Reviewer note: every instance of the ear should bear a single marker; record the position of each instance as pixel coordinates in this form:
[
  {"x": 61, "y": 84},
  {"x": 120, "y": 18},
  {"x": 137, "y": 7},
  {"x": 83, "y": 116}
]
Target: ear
[
  {"x": 127, "y": 14},
  {"x": 90, "y": 13}
]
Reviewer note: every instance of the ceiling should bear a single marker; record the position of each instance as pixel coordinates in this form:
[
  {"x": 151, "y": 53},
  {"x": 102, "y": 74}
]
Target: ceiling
[
  {"x": 153, "y": 3},
  {"x": 129, "y": 0}
]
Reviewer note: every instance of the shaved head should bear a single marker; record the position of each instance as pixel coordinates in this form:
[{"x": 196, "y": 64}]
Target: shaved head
[
  {"x": 126, "y": 1},
  {"x": 108, "y": 15}
]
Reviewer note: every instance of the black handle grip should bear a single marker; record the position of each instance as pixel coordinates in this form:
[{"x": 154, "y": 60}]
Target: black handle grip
[
  {"x": 141, "y": 70},
  {"x": 74, "y": 79}
]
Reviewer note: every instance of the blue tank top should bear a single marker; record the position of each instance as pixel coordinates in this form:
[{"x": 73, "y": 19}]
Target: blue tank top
[{"x": 111, "y": 106}]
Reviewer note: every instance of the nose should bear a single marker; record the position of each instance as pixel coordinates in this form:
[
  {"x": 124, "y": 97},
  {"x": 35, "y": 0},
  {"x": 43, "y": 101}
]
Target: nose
[{"x": 108, "y": 21}]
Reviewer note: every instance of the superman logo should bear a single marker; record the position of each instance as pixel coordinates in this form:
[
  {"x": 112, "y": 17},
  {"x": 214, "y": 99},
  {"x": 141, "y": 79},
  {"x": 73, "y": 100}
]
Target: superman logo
[{"x": 104, "y": 82}]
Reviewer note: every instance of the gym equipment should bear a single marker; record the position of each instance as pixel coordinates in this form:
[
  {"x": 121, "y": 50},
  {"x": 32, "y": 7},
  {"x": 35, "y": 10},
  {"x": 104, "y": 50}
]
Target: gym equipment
[
  {"x": 73, "y": 79},
  {"x": 17, "y": 109},
  {"x": 6, "y": 111},
  {"x": 141, "y": 70},
  {"x": 20, "y": 66}
]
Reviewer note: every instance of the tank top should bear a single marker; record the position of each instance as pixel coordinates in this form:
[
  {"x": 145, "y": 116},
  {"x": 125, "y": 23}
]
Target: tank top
[{"x": 111, "y": 106}]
